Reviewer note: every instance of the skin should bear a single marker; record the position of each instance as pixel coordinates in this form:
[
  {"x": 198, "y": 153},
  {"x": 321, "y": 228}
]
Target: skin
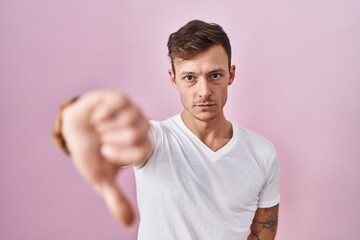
[
  {"x": 265, "y": 223},
  {"x": 202, "y": 83},
  {"x": 105, "y": 131}
]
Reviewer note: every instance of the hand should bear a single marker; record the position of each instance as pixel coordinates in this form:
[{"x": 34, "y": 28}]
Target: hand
[{"x": 105, "y": 131}]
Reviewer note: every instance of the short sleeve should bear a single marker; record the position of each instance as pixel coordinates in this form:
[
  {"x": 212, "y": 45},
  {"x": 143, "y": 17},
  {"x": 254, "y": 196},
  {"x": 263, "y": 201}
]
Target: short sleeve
[{"x": 270, "y": 194}]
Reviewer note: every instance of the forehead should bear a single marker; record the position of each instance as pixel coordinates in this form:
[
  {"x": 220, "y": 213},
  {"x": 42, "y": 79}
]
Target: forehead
[{"x": 214, "y": 57}]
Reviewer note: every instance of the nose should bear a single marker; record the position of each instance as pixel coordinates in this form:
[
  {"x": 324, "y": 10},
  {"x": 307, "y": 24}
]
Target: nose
[{"x": 204, "y": 90}]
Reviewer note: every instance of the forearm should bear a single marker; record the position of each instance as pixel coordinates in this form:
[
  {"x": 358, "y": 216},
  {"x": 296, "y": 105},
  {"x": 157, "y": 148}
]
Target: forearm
[
  {"x": 263, "y": 230},
  {"x": 264, "y": 225},
  {"x": 261, "y": 236},
  {"x": 253, "y": 236}
]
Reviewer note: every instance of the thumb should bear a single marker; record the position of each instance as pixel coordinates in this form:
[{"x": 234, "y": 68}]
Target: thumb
[{"x": 118, "y": 205}]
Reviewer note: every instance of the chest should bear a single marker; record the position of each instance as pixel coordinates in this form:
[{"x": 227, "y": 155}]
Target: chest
[{"x": 231, "y": 182}]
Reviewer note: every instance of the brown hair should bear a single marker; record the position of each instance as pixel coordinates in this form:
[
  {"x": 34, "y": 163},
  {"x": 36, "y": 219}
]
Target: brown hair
[{"x": 196, "y": 37}]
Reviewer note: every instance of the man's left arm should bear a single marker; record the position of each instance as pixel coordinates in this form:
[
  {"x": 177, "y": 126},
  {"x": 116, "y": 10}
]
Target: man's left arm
[{"x": 264, "y": 224}]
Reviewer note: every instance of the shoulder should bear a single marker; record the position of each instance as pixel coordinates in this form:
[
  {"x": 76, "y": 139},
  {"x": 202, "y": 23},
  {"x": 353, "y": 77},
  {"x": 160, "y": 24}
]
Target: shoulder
[
  {"x": 164, "y": 125},
  {"x": 256, "y": 143},
  {"x": 160, "y": 129}
]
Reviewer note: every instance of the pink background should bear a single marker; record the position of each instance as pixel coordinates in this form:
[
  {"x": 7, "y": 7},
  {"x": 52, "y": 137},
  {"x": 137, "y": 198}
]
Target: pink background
[{"x": 297, "y": 83}]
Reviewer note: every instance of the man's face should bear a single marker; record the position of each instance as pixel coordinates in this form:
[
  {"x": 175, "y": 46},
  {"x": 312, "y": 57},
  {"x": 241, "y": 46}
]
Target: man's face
[{"x": 203, "y": 82}]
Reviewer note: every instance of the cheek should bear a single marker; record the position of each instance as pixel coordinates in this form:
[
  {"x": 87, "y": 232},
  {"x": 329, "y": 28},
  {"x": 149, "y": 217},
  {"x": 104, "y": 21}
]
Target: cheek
[
  {"x": 186, "y": 95},
  {"x": 223, "y": 93}
]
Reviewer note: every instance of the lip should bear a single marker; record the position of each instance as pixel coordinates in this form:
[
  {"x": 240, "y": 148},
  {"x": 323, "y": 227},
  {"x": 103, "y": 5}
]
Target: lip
[{"x": 205, "y": 104}]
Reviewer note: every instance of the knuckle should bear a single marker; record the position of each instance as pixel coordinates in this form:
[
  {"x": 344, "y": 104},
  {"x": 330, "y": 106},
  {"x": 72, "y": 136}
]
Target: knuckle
[
  {"x": 134, "y": 136},
  {"x": 70, "y": 115},
  {"x": 108, "y": 151},
  {"x": 118, "y": 97}
]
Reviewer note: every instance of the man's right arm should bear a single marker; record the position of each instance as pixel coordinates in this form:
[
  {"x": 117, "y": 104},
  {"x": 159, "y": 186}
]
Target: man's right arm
[{"x": 105, "y": 131}]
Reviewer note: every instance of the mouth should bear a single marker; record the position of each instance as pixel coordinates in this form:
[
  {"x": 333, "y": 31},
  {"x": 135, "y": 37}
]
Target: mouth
[{"x": 206, "y": 104}]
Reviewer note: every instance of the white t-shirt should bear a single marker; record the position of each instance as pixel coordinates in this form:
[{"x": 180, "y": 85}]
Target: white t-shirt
[{"x": 187, "y": 191}]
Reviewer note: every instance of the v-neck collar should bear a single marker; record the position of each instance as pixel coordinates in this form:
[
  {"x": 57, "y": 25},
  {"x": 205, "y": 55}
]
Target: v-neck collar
[{"x": 213, "y": 155}]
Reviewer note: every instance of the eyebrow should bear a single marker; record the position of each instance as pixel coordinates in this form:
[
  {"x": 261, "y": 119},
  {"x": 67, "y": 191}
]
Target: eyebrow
[
  {"x": 187, "y": 73},
  {"x": 220, "y": 69}
]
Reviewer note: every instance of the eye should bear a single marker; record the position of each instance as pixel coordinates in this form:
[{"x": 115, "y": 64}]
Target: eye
[
  {"x": 215, "y": 76},
  {"x": 189, "y": 78}
]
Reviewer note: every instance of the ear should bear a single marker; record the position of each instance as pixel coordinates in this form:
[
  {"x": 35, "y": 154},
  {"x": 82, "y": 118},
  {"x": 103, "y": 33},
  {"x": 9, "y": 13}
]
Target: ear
[
  {"x": 173, "y": 78},
  {"x": 232, "y": 74}
]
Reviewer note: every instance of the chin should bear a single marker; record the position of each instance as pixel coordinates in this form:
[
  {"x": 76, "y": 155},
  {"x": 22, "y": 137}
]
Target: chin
[{"x": 205, "y": 116}]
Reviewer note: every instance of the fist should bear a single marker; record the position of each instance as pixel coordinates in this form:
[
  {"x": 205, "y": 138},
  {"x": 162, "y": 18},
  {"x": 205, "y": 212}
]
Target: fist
[
  {"x": 104, "y": 131},
  {"x": 122, "y": 130}
]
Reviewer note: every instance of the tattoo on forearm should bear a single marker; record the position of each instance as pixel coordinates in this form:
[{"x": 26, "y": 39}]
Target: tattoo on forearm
[
  {"x": 255, "y": 235},
  {"x": 269, "y": 223}
]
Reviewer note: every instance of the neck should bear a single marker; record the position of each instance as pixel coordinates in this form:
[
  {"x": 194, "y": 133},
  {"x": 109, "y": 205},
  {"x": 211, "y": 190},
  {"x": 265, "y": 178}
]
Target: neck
[{"x": 215, "y": 133}]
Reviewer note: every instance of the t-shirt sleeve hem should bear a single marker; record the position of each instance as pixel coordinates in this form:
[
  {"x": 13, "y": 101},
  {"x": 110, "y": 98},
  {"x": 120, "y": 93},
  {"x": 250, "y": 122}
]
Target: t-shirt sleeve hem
[{"x": 269, "y": 203}]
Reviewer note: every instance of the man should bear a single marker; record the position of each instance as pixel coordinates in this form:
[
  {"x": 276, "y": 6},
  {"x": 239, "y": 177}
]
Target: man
[{"x": 198, "y": 176}]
